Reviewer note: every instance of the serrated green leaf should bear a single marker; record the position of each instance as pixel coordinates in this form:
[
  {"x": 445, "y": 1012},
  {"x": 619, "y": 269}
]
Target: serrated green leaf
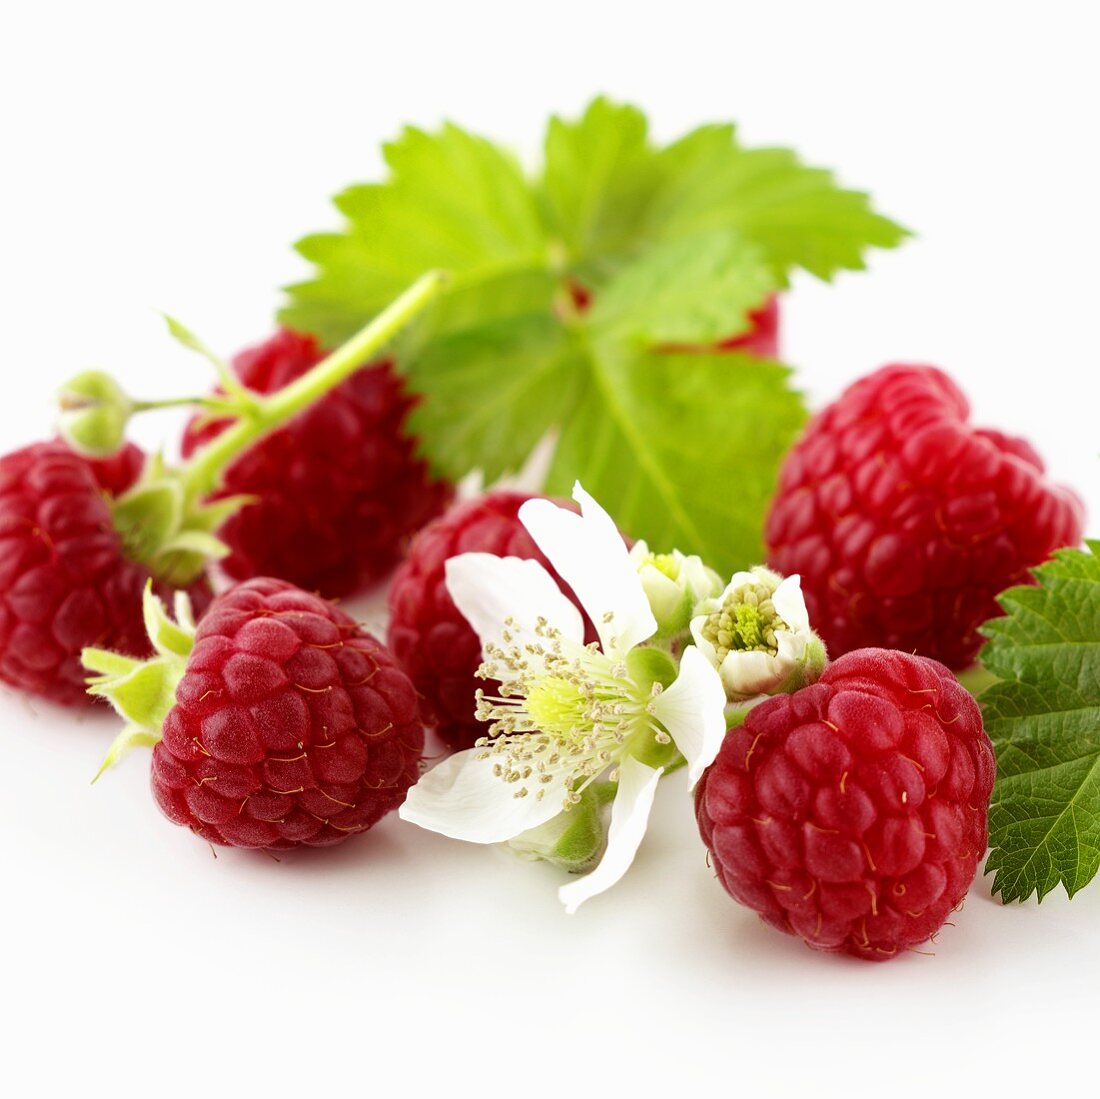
[
  {"x": 493, "y": 392},
  {"x": 797, "y": 214},
  {"x": 598, "y": 180},
  {"x": 683, "y": 448},
  {"x": 453, "y": 201},
  {"x": 1044, "y": 721},
  {"x": 699, "y": 289}
]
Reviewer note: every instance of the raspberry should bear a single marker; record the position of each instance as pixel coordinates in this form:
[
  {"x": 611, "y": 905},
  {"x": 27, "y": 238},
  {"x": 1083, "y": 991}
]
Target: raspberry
[
  {"x": 427, "y": 632},
  {"x": 905, "y": 522},
  {"x": 291, "y": 725},
  {"x": 65, "y": 582},
  {"x": 853, "y": 812},
  {"x": 339, "y": 489}
]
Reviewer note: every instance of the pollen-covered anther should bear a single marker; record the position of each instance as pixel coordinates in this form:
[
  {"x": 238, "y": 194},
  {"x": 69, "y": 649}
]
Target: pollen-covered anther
[{"x": 746, "y": 622}]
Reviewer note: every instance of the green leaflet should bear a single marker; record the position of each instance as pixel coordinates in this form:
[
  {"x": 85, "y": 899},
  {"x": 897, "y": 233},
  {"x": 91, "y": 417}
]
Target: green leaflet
[
  {"x": 687, "y": 445},
  {"x": 1044, "y": 720},
  {"x": 675, "y": 247}
]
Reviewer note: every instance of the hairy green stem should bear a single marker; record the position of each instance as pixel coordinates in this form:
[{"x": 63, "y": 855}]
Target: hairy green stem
[{"x": 202, "y": 473}]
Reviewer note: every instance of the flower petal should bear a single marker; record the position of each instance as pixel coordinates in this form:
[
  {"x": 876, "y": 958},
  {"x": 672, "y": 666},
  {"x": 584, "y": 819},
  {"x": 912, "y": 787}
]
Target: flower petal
[
  {"x": 463, "y": 799},
  {"x": 749, "y": 672},
  {"x": 693, "y": 711},
  {"x": 790, "y": 604},
  {"x": 629, "y": 817},
  {"x": 589, "y": 554},
  {"x": 498, "y": 594}
]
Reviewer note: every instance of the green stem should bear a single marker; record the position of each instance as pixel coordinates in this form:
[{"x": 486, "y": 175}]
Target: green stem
[{"x": 202, "y": 473}]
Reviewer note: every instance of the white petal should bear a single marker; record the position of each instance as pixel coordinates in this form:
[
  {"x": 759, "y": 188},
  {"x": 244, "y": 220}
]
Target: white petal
[
  {"x": 701, "y": 643},
  {"x": 589, "y": 554},
  {"x": 463, "y": 799},
  {"x": 491, "y": 590},
  {"x": 748, "y": 672},
  {"x": 738, "y": 580},
  {"x": 790, "y": 605},
  {"x": 629, "y": 817},
  {"x": 693, "y": 710}
]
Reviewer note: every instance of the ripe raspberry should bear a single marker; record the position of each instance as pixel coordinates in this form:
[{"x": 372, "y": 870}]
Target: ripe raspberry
[
  {"x": 291, "y": 725},
  {"x": 853, "y": 812},
  {"x": 340, "y": 489},
  {"x": 65, "y": 582},
  {"x": 428, "y": 633},
  {"x": 905, "y": 522}
]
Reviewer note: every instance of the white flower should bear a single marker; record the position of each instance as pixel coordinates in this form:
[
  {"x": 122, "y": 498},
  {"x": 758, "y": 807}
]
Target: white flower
[
  {"x": 674, "y": 584},
  {"x": 757, "y": 634},
  {"x": 568, "y": 713}
]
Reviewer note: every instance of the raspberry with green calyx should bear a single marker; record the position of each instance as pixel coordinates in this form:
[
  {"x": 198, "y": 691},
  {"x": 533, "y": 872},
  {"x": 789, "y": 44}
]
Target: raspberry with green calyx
[
  {"x": 79, "y": 538},
  {"x": 277, "y": 723}
]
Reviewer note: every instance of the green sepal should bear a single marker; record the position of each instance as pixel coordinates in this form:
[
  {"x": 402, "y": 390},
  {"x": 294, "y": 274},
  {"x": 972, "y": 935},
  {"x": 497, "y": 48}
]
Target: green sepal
[
  {"x": 647, "y": 666},
  {"x": 168, "y": 638},
  {"x": 131, "y": 737},
  {"x": 142, "y": 692},
  {"x": 171, "y": 533},
  {"x": 148, "y": 516},
  {"x": 183, "y": 335},
  {"x": 575, "y": 839}
]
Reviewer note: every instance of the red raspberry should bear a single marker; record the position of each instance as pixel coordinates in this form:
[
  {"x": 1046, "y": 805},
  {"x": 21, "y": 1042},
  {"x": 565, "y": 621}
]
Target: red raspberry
[
  {"x": 428, "y": 633},
  {"x": 65, "y": 582},
  {"x": 291, "y": 725},
  {"x": 905, "y": 522},
  {"x": 853, "y": 812},
  {"x": 340, "y": 489}
]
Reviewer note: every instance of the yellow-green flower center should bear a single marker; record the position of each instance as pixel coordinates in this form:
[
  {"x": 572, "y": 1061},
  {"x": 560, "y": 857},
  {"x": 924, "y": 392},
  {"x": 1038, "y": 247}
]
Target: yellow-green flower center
[
  {"x": 746, "y": 622},
  {"x": 564, "y": 713}
]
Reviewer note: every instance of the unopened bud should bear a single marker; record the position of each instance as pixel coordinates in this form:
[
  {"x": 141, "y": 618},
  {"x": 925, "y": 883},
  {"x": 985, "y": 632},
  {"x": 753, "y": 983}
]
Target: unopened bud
[{"x": 94, "y": 414}]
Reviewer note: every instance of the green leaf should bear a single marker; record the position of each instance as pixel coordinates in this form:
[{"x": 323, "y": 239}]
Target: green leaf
[
  {"x": 598, "y": 179},
  {"x": 696, "y": 289},
  {"x": 453, "y": 201},
  {"x": 683, "y": 449},
  {"x": 493, "y": 392},
  {"x": 676, "y": 245},
  {"x": 1044, "y": 721},
  {"x": 797, "y": 214}
]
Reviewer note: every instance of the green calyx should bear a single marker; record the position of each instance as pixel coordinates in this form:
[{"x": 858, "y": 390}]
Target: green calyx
[
  {"x": 573, "y": 840},
  {"x": 143, "y": 691},
  {"x": 165, "y": 521}
]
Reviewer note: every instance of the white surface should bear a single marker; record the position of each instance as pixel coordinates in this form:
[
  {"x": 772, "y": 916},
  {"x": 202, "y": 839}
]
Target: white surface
[{"x": 166, "y": 155}]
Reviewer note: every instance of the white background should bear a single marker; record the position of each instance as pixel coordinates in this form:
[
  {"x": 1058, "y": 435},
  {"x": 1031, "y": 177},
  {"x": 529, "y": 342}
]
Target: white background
[{"x": 166, "y": 155}]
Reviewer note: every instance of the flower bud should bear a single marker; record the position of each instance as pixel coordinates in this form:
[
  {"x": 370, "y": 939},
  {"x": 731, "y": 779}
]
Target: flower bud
[
  {"x": 675, "y": 585},
  {"x": 757, "y": 634},
  {"x": 94, "y": 414}
]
